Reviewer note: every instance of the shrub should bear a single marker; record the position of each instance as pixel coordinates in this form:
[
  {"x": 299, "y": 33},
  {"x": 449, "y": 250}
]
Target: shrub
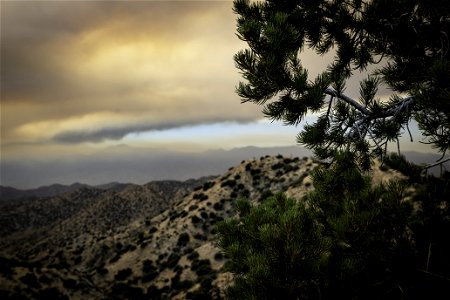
[
  {"x": 125, "y": 291},
  {"x": 218, "y": 256},
  {"x": 201, "y": 267},
  {"x": 70, "y": 283},
  {"x": 204, "y": 215},
  {"x": 173, "y": 260},
  {"x": 183, "y": 239},
  {"x": 123, "y": 274},
  {"x": 192, "y": 256},
  {"x": 208, "y": 185},
  {"x": 51, "y": 293},
  {"x": 31, "y": 280},
  {"x": 102, "y": 271},
  {"x": 230, "y": 183},
  {"x": 200, "y": 196},
  {"x": 218, "y": 206},
  {"x": 200, "y": 237},
  {"x": 195, "y": 219}
]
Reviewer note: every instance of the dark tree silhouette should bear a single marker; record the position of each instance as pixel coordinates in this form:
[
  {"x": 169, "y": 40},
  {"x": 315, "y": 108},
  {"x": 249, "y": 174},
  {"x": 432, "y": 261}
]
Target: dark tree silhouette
[
  {"x": 406, "y": 42},
  {"x": 349, "y": 238}
]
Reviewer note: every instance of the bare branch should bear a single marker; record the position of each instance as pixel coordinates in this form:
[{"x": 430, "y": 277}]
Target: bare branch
[
  {"x": 406, "y": 103},
  {"x": 436, "y": 163},
  {"x": 331, "y": 91}
]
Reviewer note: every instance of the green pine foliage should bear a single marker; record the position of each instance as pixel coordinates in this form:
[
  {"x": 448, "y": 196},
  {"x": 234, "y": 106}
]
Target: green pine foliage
[
  {"x": 277, "y": 249},
  {"x": 405, "y": 45},
  {"x": 347, "y": 239}
]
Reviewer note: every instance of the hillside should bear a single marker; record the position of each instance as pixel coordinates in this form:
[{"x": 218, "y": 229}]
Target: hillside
[{"x": 155, "y": 241}]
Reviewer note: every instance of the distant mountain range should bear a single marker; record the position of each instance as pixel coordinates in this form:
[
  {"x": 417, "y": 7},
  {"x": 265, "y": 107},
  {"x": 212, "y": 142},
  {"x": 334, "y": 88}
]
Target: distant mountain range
[
  {"x": 117, "y": 166},
  {"x": 128, "y": 241},
  {"x": 9, "y": 193},
  {"x": 131, "y": 165}
]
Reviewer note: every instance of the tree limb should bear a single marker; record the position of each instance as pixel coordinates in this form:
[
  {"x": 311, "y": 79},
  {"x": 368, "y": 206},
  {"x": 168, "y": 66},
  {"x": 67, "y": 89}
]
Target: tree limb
[{"x": 404, "y": 104}]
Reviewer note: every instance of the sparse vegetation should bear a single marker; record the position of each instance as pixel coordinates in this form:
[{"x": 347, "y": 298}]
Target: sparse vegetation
[{"x": 183, "y": 239}]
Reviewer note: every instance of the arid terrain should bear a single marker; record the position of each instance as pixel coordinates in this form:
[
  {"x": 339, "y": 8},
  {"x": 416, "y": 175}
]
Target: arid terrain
[{"x": 151, "y": 241}]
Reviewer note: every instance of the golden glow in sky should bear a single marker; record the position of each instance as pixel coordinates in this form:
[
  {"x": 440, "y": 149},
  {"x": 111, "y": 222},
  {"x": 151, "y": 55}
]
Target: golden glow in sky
[{"x": 81, "y": 76}]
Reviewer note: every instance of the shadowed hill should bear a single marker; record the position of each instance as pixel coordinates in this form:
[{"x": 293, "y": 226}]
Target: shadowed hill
[{"x": 143, "y": 242}]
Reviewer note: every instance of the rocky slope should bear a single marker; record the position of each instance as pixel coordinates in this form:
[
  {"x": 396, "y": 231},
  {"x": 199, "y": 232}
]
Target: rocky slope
[{"x": 131, "y": 244}]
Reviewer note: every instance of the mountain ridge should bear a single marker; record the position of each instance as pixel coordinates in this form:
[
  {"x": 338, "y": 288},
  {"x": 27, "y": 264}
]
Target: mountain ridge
[
  {"x": 145, "y": 241},
  {"x": 164, "y": 166}
]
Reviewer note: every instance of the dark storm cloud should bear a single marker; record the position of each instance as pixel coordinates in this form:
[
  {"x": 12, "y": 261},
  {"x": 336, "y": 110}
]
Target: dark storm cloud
[
  {"x": 64, "y": 60},
  {"x": 109, "y": 133}
]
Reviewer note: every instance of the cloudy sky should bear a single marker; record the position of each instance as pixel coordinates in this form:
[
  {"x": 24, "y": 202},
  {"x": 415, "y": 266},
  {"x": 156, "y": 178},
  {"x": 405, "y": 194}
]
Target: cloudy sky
[{"x": 79, "y": 77}]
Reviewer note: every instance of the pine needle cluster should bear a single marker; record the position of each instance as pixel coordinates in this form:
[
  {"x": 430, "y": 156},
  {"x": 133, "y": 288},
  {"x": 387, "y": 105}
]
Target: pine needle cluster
[{"x": 348, "y": 239}]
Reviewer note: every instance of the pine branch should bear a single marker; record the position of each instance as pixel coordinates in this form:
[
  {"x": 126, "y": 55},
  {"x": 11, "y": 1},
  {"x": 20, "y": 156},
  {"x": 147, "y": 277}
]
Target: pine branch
[
  {"x": 405, "y": 104},
  {"x": 332, "y": 92}
]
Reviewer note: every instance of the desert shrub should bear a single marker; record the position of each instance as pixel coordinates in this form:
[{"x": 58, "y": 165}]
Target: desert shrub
[
  {"x": 195, "y": 219},
  {"x": 200, "y": 237},
  {"x": 70, "y": 283},
  {"x": 150, "y": 274},
  {"x": 204, "y": 215},
  {"x": 182, "y": 284},
  {"x": 147, "y": 266},
  {"x": 200, "y": 196},
  {"x": 102, "y": 271},
  {"x": 198, "y": 295},
  {"x": 192, "y": 256},
  {"x": 153, "y": 292},
  {"x": 255, "y": 172},
  {"x": 207, "y": 185},
  {"x": 51, "y": 293},
  {"x": 123, "y": 274},
  {"x": 115, "y": 258},
  {"x": 183, "y": 239},
  {"x": 7, "y": 266},
  {"x": 125, "y": 291},
  {"x": 119, "y": 246},
  {"x": 44, "y": 279},
  {"x": 218, "y": 206},
  {"x": 218, "y": 256},
  {"x": 152, "y": 230},
  {"x": 77, "y": 260},
  {"x": 173, "y": 215},
  {"x": 277, "y": 166},
  {"x": 31, "y": 280},
  {"x": 172, "y": 260},
  {"x": 78, "y": 251},
  {"x": 230, "y": 183},
  {"x": 201, "y": 267}
]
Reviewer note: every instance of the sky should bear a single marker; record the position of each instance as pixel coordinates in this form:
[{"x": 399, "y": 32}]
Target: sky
[{"x": 79, "y": 77}]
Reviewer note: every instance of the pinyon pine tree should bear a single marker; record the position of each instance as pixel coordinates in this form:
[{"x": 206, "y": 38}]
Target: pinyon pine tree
[
  {"x": 349, "y": 238},
  {"x": 406, "y": 43}
]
